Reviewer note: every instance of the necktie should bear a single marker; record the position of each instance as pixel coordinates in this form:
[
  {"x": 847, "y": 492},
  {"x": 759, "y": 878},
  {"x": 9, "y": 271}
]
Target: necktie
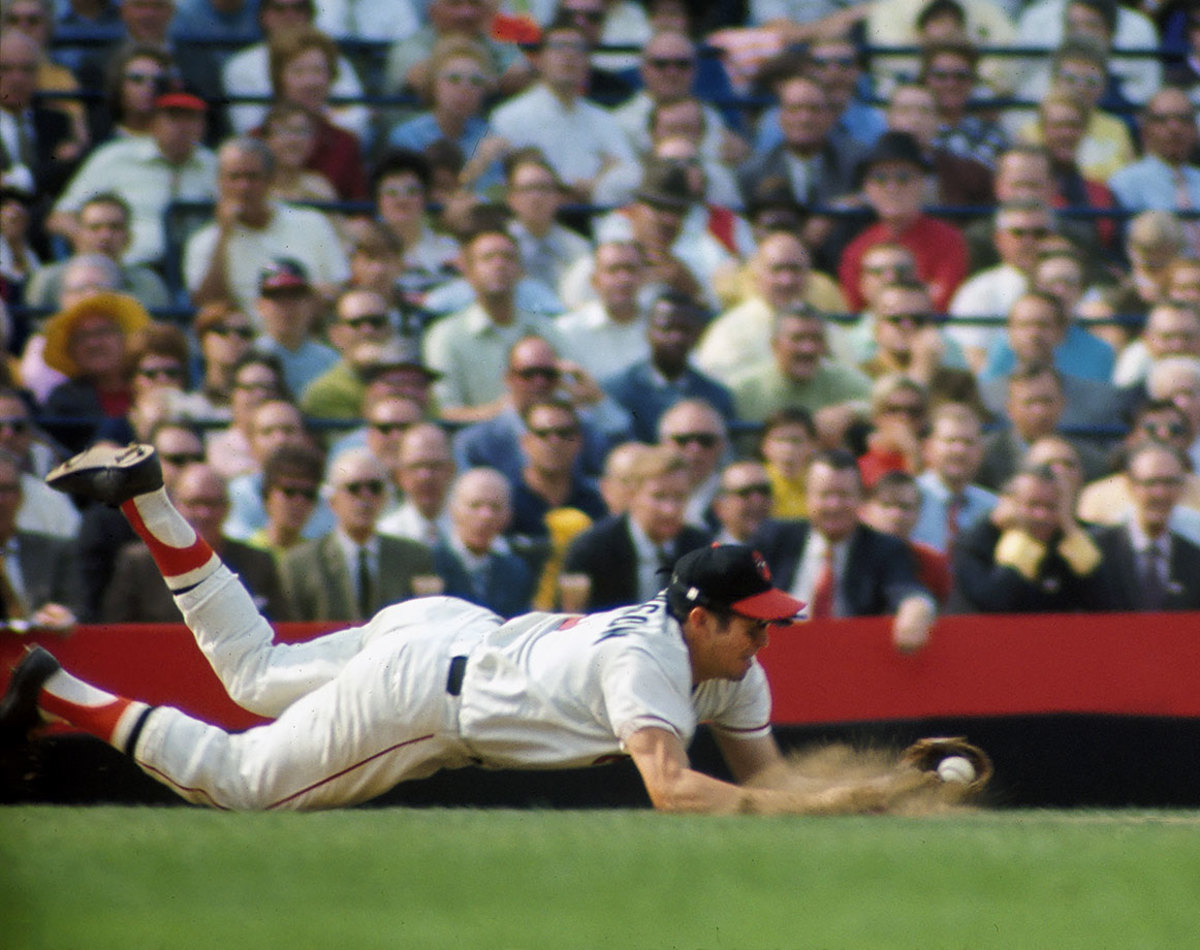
[
  {"x": 25, "y": 142},
  {"x": 953, "y": 513},
  {"x": 823, "y": 589},
  {"x": 1183, "y": 202},
  {"x": 1154, "y": 592},
  {"x": 14, "y": 604},
  {"x": 364, "y": 584}
]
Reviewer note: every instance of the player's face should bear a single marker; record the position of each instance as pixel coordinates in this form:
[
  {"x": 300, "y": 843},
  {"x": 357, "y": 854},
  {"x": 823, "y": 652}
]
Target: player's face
[{"x": 724, "y": 648}]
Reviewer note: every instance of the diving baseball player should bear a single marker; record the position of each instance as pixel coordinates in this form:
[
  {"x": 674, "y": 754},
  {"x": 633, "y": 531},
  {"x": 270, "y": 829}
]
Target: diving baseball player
[{"x": 437, "y": 683}]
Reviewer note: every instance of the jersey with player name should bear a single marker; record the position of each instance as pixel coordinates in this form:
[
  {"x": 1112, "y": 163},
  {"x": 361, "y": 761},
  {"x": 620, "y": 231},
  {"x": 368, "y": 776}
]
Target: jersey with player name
[{"x": 555, "y": 691}]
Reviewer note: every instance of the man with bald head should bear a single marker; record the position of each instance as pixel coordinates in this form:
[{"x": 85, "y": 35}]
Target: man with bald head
[
  {"x": 137, "y": 592},
  {"x": 782, "y": 274}
]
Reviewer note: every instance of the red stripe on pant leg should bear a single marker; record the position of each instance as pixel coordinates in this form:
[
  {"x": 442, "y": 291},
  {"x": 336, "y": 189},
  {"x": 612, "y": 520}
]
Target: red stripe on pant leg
[
  {"x": 171, "y": 561},
  {"x": 349, "y": 768}
]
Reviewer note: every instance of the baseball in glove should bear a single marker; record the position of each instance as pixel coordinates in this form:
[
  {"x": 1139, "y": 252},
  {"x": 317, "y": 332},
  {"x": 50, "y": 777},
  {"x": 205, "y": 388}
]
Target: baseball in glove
[{"x": 927, "y": 754}]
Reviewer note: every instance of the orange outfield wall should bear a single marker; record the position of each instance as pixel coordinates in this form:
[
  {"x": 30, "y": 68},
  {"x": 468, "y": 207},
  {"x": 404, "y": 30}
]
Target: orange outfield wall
[{"x": 821, "y": 672}]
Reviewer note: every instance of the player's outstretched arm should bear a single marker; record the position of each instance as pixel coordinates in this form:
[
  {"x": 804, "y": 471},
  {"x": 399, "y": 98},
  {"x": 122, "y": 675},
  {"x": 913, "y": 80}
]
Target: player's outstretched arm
[{"x": 674, "y": 786}]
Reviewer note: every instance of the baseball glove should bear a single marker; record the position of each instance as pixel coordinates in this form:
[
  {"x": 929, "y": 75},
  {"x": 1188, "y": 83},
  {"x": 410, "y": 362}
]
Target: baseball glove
[{"x": 926, "y": 754}]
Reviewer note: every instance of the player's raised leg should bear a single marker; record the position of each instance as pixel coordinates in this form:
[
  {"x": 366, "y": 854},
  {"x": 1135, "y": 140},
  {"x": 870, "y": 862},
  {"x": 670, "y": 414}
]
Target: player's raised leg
[{"x": 259, "y": 674}]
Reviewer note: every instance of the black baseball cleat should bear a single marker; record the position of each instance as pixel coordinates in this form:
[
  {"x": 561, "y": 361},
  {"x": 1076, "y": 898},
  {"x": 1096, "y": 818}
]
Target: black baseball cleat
[
  {"x": 109, "y": 473},
  {"x": 18, "y": 708}
]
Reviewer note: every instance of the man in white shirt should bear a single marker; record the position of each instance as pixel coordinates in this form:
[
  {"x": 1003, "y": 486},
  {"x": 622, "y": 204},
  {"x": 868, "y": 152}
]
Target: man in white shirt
[
  {"x": 608, "y": 335},
  {"x": 423, "y": 471},
  {"x": 578, "y": 138}
]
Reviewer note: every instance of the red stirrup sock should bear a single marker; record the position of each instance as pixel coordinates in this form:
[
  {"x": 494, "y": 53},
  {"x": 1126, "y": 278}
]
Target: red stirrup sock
[
  {"x": 116, "y": 720},
  {"x": 181, "y": 555}
]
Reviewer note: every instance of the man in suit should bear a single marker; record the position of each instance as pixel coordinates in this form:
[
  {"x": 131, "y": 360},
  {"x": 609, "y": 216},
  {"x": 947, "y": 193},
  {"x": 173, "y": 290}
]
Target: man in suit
[
  {"x": 137, "y": 593},
  {"x": 839, "y": 566},
  {"x": 39, "y": 580},
  {"x": 1151, "y": 567},
  {"x": 353, "y": 571},
  {"x": 624, "y": 554},
  {"x": 1029, "y": 556},
  {"x": 475, "y": 562}
]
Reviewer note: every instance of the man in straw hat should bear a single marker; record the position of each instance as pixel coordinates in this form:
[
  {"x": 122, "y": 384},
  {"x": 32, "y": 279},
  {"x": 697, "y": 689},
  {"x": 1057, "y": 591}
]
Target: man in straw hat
[{"x": 436, "y": 683}]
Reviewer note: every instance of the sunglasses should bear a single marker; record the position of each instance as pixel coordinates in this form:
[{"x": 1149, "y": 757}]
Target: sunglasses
[
  {"x": 747, "y": 491},
  {"x": 564, "y": 433},
  {"x": 706, "y": 440},
  {"x": 15, "y": 424},
  {"x": 1027, "y": 232},
  {"x": 180, "y": 459},
  {"x": 916, "y": 319},
  {"x": 1172, "y": 429},
  {"x": 372, "y": 486},
  {"x": 143, "y": 77},
  {"x": 672, "y": 63},
  {"x": 308, "y": 493},
  {"x": 244, "y": 333},
  {"x": 478, "y": 80},
  {"x": 530, "y": 373},
  {"x": 160, "y": 372},
  {"x": 374, "y": 321},
  {"x": 391, "y": 428}
]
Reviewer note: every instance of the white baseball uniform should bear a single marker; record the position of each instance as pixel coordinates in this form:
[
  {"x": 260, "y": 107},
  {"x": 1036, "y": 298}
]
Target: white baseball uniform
[{"x": 428, "y": 684}]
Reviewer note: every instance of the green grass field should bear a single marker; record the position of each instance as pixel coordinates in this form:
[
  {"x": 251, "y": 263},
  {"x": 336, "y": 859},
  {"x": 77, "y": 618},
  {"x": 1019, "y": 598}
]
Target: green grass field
[{"x": 138, "y": 878}]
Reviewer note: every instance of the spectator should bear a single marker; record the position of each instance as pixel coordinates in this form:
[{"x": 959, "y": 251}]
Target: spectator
[
  {"x": 798, "y": 374},
  {"x": 273, "y": 423},
  {"x": 893, "y": 506},
  {"x": 469, "y": 348},
  {"x": 256, "y": 377},
  {"x": 695, "y": 430},
  {"x": 789, "y": 439},
  {"x": 386, "y": 418},
  {"x": 134, "y": 77},
  {"x": 475, "y": 562},
  {"x": 647, "y": 389},
  {"x": 618, "y": 480},
  {"x": 1178, "y": 380},
  {"x": 535, "y": 196},
  {"x": 1028, "y": 556},
  {"x": 991, "y": 293},
  {"x": 883, "y": 264},
  {"x": 87, "y": 342},
  {"x": 535, "y": 373},
  {"x": 304, "y": 63},
  {"x": 950, "y": 499},
  {"x": 291, "y": 133},
  {"x": 1171, "y": 330},
  {"x": 842, "y": 568},
  {"x": 39, "y": 511},
  {"x": 291, "y": 486},
  {"x": 423, "y": 470},
  {"x": 607, "y": 335},
  {"x": 950, "y": 71},
  {"x": 742, "y": 503},
  {"x": 1060, "y": 456},
  {"x": 287, "y": 309},
  {"x": 909, "y": 341},
  {"x": 395, "y": 369},
  {"x": 156, "y": 365},
  {"x": 1034, "y": 406},
  {"x": 148, "y": 173},
  {"x": 103, "y": 531},
  {"x": 1151, "y": 567},
  {"x": 39, "y": 576},
  {"x": 898, "y": 420},
  {"x": 626, "y": 556},
  {"x": 137, "y": 593},
  {"x": 103, "y": 228},
  {"x": 225, "y": 335},
  {"x": 892, "y": 180},
  {"x": 353, "y": 571},
  {"x": 248, "y": 72},
  {"x": 35, "y": 19},
  {"x": 578, "y": 138},
  {"x": 223, "y": 260},
  {"x": 782, "y": 276}
]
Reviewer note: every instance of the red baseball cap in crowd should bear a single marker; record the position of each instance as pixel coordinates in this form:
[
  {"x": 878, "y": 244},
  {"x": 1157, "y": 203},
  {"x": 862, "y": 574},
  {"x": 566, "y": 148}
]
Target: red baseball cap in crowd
[
  {"x": 184, "y": 101},
  {"x": 282, "y": 275},
  {"x": 732, "y": 577}
]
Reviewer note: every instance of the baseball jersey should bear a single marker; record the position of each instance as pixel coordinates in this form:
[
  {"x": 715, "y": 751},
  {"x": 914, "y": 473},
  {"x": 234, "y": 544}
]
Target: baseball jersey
[{"x": 553, "y": 691}]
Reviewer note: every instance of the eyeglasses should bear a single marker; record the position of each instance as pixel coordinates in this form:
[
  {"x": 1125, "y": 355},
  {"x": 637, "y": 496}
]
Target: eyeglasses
[
  {"x": 308, "y": 493},
  {"x": 880, "y": 270},
  {"x": 530, "y": 373},
  {"x": 916, "y": 319},
  {"x": 28, "y": 19},
  {"x": 951, "y": 75},
  {"x": 143, "y": 77},
  {"x": 160, "y": 372},
  {"x": 671, "y": 62},
  {"x": 15, "y": 424},
  {"x": 221, "y": 329},
  {"x": 374, "y": 321},
  {"x": 372, "y": 486},
  {"x": 746, "y": 491},
  {"x": 390, "y": 428},
  {"x": 564, "y": 433},
  {"x": 478, "y": 80},
  {"x": 706, "y": 440},
  {"x": 1080, "y": 79},
  {"x": 1027, "y": 232},
  {"x": 1166, "y": 481},
  {"x": 180, "y": 459}
]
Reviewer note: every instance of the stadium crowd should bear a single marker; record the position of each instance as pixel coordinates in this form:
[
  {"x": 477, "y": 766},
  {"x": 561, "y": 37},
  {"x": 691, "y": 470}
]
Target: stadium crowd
[{"x": 522, "y": 301}]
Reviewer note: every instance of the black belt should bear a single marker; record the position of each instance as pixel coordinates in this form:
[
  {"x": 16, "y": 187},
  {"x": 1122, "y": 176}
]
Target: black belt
[{"x": 454, "y": 679}]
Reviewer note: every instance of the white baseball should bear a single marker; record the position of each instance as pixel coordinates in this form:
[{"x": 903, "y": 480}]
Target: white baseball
[{"x": 955, "y": 768}]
